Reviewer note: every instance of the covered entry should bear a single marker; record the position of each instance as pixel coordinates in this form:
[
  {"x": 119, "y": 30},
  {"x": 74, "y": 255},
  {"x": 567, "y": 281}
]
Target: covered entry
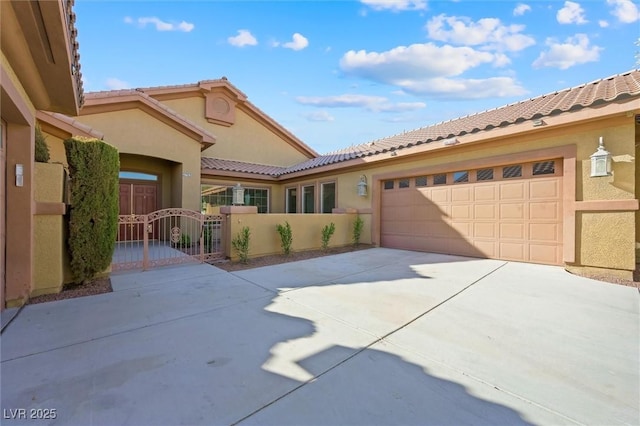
[{"x": 510, "y": 212}]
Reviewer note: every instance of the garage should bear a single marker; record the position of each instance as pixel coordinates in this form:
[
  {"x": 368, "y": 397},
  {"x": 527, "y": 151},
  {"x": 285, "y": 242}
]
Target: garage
[{"x": 509, "y": 212}]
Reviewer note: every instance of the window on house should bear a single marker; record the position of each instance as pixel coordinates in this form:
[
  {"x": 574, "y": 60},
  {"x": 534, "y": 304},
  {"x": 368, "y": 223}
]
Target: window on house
[
  {"x": 484, "y": 174},
  {"x": 388, "y": 184},
  {"x": 292, "y": 200},
  {"x": 544, "y": 168},
  {"x": 403, "y": 183},
  {"x": 138, "y": 176},
  {"x": 459, "y": 177},
  {"x": 440, "y": 179},
  {"x": 308, "y": 199},
  {"x": 328, "y": 197},
  {"x": 421, "y": 181},
  {"x": 214, "y": 196},
  {"x": 512, "y": 171}
]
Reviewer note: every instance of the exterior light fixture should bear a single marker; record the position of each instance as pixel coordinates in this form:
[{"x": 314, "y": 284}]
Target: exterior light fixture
[
  {"x": 362, "y": 186},
  {"x": 238, "y": 195},
  {"x": 601, "y": 161},
  {"x": 538, "y": 122}
]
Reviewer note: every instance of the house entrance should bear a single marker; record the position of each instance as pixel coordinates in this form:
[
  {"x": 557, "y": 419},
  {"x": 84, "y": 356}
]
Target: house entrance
[{"x": 136, "y": 199}]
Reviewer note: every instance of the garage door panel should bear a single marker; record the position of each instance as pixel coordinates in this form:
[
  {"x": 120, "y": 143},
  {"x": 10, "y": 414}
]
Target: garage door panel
[
  {"x": 512, "y": 191},
  {"x": 540, "y": 189},
  {"x": 548, "y": 210},
  {"x": 512, "y": 211},
  {"x": 518, "y": 219},
  {"x": 512, "y": 231},
  {"x": 544, "y": 232}
]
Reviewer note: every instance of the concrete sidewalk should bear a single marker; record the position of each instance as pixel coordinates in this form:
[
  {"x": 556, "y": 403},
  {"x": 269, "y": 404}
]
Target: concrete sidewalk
[{"x": 370, "y": 337}]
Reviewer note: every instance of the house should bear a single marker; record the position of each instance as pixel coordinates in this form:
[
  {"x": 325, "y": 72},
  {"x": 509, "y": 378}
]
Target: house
[
  {"x": 40, "y": 70},
  {"x": 510, "y": 183}
]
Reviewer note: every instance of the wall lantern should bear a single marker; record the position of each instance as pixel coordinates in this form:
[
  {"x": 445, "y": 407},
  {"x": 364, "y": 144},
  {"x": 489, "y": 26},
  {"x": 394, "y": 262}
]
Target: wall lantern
[
  {"x": 601, "y": 161},
  {"x": 362, "y": 186},
  {"x": 238, "y": 195}
]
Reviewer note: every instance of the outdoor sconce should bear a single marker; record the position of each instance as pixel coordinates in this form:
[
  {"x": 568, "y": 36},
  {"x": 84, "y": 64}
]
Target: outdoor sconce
[
  {"x": 601, "y": 161},
  {"x": 238, "y": 195},
  {"x": 362, "y": 186}
]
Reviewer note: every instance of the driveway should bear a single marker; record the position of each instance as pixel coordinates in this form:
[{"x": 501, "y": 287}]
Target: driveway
[{"x": 378, "y": 336}]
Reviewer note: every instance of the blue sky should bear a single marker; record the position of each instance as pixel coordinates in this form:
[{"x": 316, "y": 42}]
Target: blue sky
[{"x": 339, "y": 73}]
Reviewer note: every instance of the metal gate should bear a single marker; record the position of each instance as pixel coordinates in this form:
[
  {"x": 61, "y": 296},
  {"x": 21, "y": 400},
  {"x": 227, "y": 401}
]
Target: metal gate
[{"x": 167, "y": 237}]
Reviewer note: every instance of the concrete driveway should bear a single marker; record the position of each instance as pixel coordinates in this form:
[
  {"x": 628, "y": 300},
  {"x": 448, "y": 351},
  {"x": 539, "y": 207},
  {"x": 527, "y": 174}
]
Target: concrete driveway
[{"x": 379, "y": 336}]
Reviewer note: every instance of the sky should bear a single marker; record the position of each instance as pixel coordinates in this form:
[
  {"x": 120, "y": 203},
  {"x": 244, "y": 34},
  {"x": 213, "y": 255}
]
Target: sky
[{"x": 341, "y": 73}]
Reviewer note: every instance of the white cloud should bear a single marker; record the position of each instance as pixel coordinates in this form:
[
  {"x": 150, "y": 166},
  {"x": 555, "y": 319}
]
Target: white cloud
[
  {"x": 244, "y": 38},
  {"x": 571, "y": 13},
  {"x": 298, "y": 42},
  {"x": 370, "y": 103},
  {"x": 487, "y": 32},
  {"x": 426, "y": 69},
  {"x": 113, "y": 83},
  {"x": 319, "y": 116},
  {"x": 603, "y": 24},
  {"x": 160, "y": 24},
  {"x": 521, "y": 9},
  {"x": 574, "y": 51},
  {"x": 396, "y": 5},
  {"x": 625, "y": 10}
]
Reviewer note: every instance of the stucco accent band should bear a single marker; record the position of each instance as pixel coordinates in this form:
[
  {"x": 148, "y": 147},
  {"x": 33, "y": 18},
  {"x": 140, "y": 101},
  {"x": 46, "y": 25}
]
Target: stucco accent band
[
  {"x": 607, "y": 205},
  {"x": 51, "y": 209}
]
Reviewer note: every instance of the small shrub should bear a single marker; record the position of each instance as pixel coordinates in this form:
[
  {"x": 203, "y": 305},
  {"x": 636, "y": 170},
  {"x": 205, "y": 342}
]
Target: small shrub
[
  {"x": 327, "y": 232},
  {"x": 241, "y": 244},
  {"x": 286, "y": 237},
  {"x": 41, "y": 154},
  {"x": 208, "y": 238},
  {"x": 185, "y": 240},
  {"x": 358, "y": 224}
]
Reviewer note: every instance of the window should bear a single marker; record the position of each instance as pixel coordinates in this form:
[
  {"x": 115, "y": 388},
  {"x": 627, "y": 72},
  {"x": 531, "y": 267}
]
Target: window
[
  {"x": 388, "y": 184},
  {"x": 544, "y": 168},
  {"x": 138, "y": 176},
  {"x": 403, "y": 183},
  {"x": 327, "y": 197},
  {"x": 484, "y": 174},
  {"x": 440, "y": 179},
  {"x": 308, "y": 199},
  {"x": 511, "y": 172},
  {"x": 421, "y": 181},
  {"x": 214, "y": 196},
  {"x": 459, "y": 177},
  {"x": 292, "y": 200}
]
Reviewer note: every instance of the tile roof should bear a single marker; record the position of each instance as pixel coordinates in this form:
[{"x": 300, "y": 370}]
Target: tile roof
[
  {"x": 44, "y": 115},
  {"x": 208, "y": 163}
]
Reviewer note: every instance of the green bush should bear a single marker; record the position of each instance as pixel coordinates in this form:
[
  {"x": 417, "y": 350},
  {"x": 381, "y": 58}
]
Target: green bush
[
  {"x": 185, "y": 240},
  {"x": 286, "y": 237},
  {"x": 41, "y": 154},
  {"x": 241, "y": 244},
  {"x": 93, "y": 215},
  {"x": 327, "y": 232},
  {"x": 357, "y": 230}
]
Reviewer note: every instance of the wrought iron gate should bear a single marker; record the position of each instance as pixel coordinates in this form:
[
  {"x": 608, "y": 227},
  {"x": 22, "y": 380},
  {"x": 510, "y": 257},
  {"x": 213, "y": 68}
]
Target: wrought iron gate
[{"x": 166, "y": 237}]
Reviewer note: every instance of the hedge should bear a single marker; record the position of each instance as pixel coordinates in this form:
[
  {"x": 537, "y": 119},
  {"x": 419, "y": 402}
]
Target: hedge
[{"x": 93, "y": 215}]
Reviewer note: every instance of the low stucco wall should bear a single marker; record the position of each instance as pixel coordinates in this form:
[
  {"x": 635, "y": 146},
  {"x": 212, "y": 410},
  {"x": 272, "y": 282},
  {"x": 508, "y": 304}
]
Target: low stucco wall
[
  {"x": 51, "y": 261},
  {"x": 306, "y": 229}
]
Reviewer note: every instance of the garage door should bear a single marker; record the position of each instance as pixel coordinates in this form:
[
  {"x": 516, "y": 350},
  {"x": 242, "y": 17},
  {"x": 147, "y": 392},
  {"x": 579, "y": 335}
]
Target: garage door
[{"x": 510, "y": 212}]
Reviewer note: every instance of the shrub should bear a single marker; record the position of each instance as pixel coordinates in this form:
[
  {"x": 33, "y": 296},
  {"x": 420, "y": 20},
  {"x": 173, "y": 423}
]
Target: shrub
[
  {"x": 41, "y": 154},
  {"x": 185, "y": 240},
  {"x": 93, "y": 215},
  {"x": 327, "y": 232},
  {"x": 241, "y": 244},
  {"x": 286, "y": 237},
  {"x": 358, "y": 224}
]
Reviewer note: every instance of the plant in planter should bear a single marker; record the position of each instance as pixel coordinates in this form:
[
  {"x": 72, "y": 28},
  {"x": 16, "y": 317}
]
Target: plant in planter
[
  {"x": 241, "y": 244},
  {"x": 327, "y": 232},
  {"x": 286, "y": 237},
  {"x": 358, "y": 224}
]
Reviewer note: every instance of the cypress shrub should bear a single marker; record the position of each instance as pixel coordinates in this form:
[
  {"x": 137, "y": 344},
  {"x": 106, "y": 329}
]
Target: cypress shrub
[
  {"x": 41, "y": 154},
  {"x": 93, "y": 215}
]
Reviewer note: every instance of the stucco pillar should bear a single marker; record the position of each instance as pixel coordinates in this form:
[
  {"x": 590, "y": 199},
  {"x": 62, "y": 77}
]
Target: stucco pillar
[{"x": 19, "y": 229}]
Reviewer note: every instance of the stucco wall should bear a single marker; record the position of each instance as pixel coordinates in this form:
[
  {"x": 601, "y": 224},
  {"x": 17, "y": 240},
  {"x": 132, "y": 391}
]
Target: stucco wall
[
  {"x": 136, "y": 132},
  {"x": 306, "y": 231},
  {"x": 246, "y": 140}
]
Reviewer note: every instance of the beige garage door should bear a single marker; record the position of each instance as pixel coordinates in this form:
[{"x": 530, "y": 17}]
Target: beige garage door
[{"x": 511, "y": 212}]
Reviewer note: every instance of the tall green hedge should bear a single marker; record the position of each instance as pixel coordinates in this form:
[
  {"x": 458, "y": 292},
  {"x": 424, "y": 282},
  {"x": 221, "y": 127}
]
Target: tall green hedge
[{"x": 93, "y": 216}]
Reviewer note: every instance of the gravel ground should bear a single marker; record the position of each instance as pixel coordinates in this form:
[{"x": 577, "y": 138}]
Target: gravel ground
[{"x": 70, "y": 291}]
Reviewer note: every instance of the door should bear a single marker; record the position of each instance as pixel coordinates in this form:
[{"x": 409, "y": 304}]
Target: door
[
  {"x": 137, "y": 199},
  {"x": 511, "y": 212}
]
